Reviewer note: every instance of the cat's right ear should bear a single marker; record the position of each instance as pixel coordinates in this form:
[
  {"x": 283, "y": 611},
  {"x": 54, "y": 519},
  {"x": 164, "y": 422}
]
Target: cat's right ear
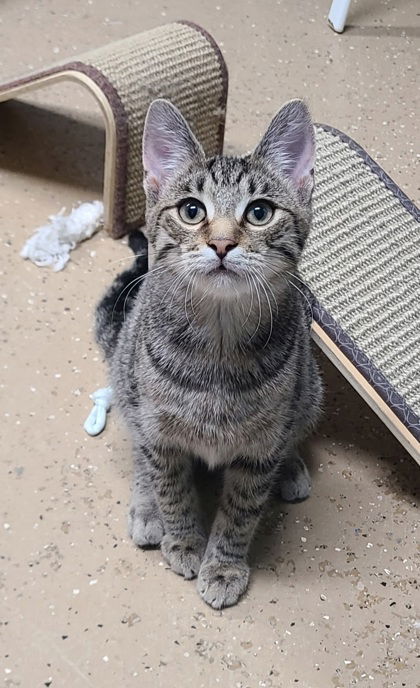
[
  {"x": 289, "y": 146},
  {"x": 168, "y": 145}
]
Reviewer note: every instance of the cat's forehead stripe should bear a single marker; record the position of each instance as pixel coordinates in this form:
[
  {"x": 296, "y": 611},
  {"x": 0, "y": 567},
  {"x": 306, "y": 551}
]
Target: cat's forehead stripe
[
  {"x": 234, "y": 172},
  {"x": 226, "y": 185},
  {"x": 227, "y": 170},
  {"x": 200, "y": 183},
  {"x": 235, "y": 175}
]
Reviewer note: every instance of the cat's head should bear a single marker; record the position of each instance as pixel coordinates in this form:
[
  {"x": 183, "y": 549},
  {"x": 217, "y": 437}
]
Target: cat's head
[{"x": 228, "y": 220}]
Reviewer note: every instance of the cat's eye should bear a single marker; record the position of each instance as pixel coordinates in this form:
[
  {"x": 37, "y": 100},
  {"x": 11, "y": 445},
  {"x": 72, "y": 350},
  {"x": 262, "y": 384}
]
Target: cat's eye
[
  {"x": 192, "y": 211},
  {"x": 259, "y": 213}
]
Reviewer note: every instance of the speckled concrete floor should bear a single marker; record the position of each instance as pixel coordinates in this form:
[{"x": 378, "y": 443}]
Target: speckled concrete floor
[{"x": 333, "y": 594}]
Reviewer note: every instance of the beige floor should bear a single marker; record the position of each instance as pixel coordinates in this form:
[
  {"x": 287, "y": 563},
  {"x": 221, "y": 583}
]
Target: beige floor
[{"x": 333, "y": 594}]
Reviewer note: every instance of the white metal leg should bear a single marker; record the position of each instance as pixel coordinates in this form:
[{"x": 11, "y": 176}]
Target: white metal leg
[{"x": 338, "y": 14}]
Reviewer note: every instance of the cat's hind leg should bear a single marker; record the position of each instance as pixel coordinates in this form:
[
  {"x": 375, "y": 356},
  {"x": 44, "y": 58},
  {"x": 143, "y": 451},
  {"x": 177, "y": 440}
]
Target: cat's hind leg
[{"x": 293, "y": 482}]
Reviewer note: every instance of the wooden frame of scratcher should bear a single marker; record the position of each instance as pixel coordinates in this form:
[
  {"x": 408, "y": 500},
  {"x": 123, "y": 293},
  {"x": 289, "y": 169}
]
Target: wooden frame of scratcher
[{"x": 124, "y": 77}]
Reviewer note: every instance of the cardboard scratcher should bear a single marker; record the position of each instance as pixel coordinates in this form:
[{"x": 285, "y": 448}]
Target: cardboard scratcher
[
  {"x": 362, "y": 265},
  {"x": 178, "y": 61}
]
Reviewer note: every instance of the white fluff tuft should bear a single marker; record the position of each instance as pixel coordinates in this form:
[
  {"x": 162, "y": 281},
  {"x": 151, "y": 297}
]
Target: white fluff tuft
[{"x": 52, "y": 243}]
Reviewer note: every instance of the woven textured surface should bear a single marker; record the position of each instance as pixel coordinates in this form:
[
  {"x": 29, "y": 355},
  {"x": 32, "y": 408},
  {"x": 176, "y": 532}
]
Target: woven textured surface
[
  {"x": 174, "y": 61},
  {"x": 362, "y": 265},
  {"x": 178, "y": 61}
]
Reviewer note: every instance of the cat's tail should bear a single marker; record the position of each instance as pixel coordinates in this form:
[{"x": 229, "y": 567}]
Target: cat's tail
[{"x": 119, "y": 298}]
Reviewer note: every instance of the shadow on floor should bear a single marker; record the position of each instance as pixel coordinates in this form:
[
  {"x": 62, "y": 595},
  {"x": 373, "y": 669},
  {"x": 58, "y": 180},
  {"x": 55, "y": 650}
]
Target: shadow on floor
[
  {"x": 56, "y": 146},
  {"x": 381, "y": 30},
  {"x": 354, "y": 423},
  {"x": 348, "y": 424},
  {"x": 365, "y": 14}
]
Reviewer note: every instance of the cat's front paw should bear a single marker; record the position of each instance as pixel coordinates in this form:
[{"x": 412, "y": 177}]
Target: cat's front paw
[
  {"x": 145, "y": 528},
  {"x": 184, "y": 555},
  {"x": 222, "y": 584}
]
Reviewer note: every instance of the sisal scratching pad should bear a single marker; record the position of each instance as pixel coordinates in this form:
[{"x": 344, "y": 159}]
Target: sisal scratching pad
[
  {"x": 362, "y": 265},
  {"x": 178, "y": 61}
]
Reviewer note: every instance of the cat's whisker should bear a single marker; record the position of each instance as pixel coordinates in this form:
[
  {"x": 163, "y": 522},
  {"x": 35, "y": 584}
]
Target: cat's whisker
[
  {"x": 252, "y": 300},
  {"x": 304, "y": 296},
  {"x": 127, "y": 296},
  {"x": 238, "y": 296},
  {"x": 173, "y": 290},
  {"x": 259, "y": 306},
  {"x": 276, "y": 267},
  {"x": 186, "y": 300},
  {"x": 191, "y": 296},
  {"x": 175, "y": 287},
  {"x": 280, "y": 272},
  {"x": 206, "y": 293},
  {"x": 135, "y": 284},
  {"x": 269, "y": 307},
  {"x": 280, "y": 269},
  {"x": 177, "y": 279},
  {"x": 292, "y": 274},
  {"x": 267, "y": 284},
  {"x": 131, "y": 256},
  {"x": 137, "y": 280},
  {"x": 192, "y": 302}
]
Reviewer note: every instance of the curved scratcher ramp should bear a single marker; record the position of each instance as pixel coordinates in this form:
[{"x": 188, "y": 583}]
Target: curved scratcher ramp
[
  {"x": 125, "y": 77},
  {"x": 362, "y": 265}
]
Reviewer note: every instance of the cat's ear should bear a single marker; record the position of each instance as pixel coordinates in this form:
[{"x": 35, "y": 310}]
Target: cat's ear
[
  {"x": 168, "y": 145},
  {"x": 289, "y": 146}
]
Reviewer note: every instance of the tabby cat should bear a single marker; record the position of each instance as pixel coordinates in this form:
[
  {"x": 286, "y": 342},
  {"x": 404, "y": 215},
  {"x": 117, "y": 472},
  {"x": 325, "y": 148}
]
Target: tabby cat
[{"x": 213, "y": 360}]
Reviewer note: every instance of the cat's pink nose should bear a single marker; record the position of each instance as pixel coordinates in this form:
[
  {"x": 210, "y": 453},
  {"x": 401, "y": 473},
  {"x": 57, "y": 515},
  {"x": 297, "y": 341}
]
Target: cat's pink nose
[{"x": 221, "y": 246}]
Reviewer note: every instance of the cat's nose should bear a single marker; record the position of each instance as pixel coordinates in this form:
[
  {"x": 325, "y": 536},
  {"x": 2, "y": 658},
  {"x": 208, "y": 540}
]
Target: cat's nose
[{"x": 221, "y": 246}]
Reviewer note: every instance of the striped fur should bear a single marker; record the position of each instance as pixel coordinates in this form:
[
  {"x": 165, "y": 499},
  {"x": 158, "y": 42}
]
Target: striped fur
[{"x": 216, "y": 363}]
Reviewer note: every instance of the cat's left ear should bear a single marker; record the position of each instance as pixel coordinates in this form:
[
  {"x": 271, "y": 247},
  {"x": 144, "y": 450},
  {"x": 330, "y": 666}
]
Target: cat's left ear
[
  {"x": 168, "y": 145},
  {"x": 289, "y": 146}
]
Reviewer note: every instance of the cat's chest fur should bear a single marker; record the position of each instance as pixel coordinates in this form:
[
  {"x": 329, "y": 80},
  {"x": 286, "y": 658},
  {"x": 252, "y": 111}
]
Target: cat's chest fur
[{"x": 201, "y": 388}]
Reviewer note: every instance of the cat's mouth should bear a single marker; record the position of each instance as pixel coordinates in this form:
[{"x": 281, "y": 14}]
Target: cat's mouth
[{"x": 222, "y": 269}]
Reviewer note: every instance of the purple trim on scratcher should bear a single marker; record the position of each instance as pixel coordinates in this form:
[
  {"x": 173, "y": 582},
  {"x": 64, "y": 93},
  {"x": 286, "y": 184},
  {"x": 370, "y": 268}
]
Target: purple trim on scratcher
[
  {"x": 344, "y": 342},
  {"x": 365, "y": 366}
]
